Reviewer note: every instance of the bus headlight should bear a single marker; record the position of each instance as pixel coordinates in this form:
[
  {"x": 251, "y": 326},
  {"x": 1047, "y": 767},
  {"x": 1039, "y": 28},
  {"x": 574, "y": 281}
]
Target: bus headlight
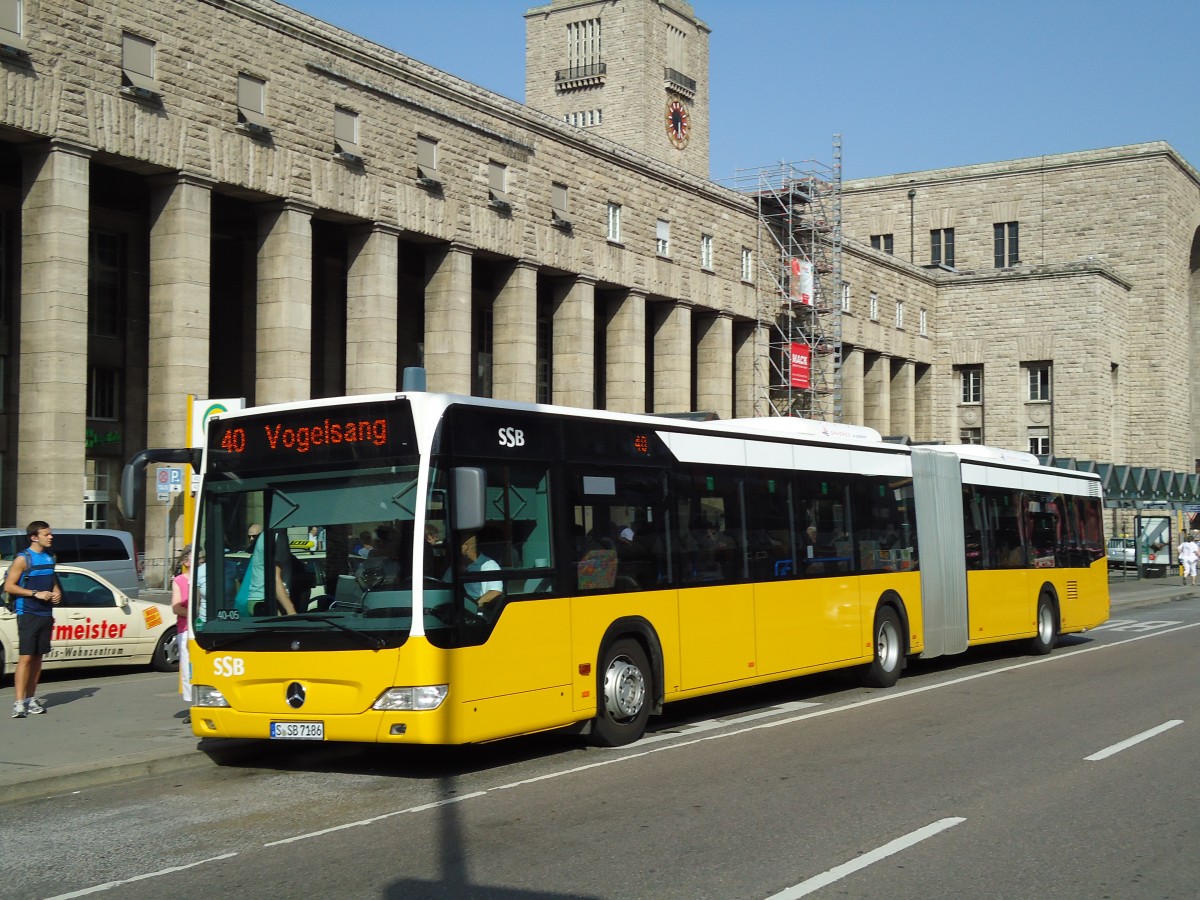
[
  {"x": 203, "y": 695},
  {"x": 429, "y": 696}
]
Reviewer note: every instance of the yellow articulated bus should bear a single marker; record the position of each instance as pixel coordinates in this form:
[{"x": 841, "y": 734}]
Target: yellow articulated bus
[{"x": 476, "y": 569}]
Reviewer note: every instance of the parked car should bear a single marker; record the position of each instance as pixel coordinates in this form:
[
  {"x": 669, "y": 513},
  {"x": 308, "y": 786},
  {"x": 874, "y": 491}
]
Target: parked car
[
  {"x": 108, "y": 553},
  {"x": 1121, "y": 553},
  {"x": 96, "y": 624}
]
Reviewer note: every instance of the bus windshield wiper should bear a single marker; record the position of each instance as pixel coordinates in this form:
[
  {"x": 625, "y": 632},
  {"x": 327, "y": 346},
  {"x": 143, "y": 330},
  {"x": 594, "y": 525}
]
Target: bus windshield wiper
[{"x": 370, "y": 640}]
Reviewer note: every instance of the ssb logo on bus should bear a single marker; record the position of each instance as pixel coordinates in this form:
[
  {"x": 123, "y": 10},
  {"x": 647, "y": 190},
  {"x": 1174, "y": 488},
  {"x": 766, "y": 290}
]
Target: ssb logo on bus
[{"x": 512, "y": 437}]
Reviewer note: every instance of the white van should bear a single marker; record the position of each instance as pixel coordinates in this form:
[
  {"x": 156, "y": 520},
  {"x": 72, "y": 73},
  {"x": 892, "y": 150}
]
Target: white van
[{"x": 111, "y": 554}]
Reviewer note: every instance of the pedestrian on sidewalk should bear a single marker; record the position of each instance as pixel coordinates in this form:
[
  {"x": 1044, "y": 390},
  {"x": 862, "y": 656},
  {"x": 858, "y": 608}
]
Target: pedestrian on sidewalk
[
  {"x": 181, "y": 591},
  {"x": 31, "y": 580},
  {"x": 1189, "y": 554}
]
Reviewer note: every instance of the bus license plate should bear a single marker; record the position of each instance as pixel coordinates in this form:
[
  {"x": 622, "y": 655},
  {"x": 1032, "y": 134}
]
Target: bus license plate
[{"x": 298, "y": 731}]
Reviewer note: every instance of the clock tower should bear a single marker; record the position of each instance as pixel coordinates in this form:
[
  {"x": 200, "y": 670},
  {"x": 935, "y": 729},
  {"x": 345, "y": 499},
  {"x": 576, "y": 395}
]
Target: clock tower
[{"x": 633, "y": 71}]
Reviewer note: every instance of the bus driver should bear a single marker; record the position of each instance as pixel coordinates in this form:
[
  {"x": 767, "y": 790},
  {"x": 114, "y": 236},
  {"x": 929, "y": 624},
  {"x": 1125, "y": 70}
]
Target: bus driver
[{"x": 471, "y": 560}]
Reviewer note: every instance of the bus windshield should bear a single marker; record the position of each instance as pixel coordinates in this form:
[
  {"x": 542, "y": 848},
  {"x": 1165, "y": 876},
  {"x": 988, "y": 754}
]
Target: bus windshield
[{"x": 330, "y": 553}]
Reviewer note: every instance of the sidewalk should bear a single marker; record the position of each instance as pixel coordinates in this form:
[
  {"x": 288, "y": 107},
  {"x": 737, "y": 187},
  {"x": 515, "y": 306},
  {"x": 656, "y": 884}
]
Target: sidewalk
[{"x": 128, "y": 724}]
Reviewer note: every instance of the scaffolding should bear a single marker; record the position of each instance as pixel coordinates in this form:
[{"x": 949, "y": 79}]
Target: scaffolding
[{"x": 799, "y": 286}]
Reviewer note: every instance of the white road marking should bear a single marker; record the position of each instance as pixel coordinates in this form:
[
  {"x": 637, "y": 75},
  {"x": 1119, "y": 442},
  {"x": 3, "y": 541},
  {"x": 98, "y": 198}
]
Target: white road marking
[
  {"x": 714, "y": 724},
  {"x": 109, "y": 885},
  {"x": 837, "y": 873},
  {"x": 611, "y": 760},
  {"x": 1136, "y": 739},
  {"x": 1134, "y": 625}
]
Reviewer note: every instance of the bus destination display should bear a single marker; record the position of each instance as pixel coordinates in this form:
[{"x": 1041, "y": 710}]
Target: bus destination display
[{"x": 376, "y": 434}]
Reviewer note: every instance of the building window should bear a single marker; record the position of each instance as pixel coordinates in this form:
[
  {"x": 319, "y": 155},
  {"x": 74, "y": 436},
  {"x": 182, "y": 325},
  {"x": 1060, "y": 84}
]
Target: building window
[
  {"x": 427, "y": 158},
  {"x": 587, "y": 118},
  {"x": 676, "y": 49},
  {"x": 900, "y": 314},
  {"x": 583, "y": 44},
  {"x": 845, "y": 296},
  {"x": 971, "y": 380},
  {"x": 873, "y": 309},
  {"x": 882, "y": 242},
  {"x": 941, "y": 247},
  {"x": 252, "y": 100},
  {"x": 104, "y": 393},
  {"x": 137, "y": 64},
  {"x": 1039, "y": 440},
  {"x": 498, "y": 183},
  {"x": 706, "y": 252},
  {"x": 1006, "y": 246},
  {"x": 923, "y": 323},
  {"x": 345, "y": 132},
  {"x": 662, "y": 238},
  {"x": 560, "y": 197},
  {"x": 1039, "y": 382},
  {"x": 106, "y": 284},
  {"x": 747, "y": 264},
  {"x": 970, "y": 435},
  {"x": 11, "y": 26},
  {"x": 614, "y": 222}
]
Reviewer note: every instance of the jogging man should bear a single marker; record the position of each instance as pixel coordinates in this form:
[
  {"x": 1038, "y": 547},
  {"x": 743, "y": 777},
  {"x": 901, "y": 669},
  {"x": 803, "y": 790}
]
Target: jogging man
[{"x": 31, "y": 580}]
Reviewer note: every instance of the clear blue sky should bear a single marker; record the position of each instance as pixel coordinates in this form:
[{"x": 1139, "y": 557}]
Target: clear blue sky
[{"x": 909, "y": 86}]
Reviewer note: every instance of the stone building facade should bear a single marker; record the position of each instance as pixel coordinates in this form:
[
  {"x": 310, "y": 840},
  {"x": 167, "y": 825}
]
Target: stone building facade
[
  {"x": 1066, "y": 312},
  {"x": 228, "y": 198}
]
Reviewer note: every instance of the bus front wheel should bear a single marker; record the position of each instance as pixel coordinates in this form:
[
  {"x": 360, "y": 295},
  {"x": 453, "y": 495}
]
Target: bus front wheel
[
  {"x": 884, "y": 670},
  {"x": 624, "y": 695}
]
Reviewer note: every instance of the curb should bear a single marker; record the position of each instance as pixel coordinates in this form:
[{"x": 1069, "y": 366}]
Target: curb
[{"x": 46, "y": 783}]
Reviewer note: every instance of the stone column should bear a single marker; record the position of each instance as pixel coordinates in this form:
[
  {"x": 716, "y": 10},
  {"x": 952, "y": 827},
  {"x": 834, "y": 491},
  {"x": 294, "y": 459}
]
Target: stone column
[
  {"x": 180, "y": 304},
  {"x": 673, "y": 357},
  {"x": 53, "y": 367},
  {"x": 371, "y": 310},
  {"x": 751, "y": 351},
  {"x": 625, "y": 353},
  {"x": 852, "y": 386},
  {"x": 514, "y": 333},
  {"x": 903, "y": 396},
  {"x": 923, "y": 402},
  {"x": 574, "y": 356},
  {"x": 449, "y": 349},
  {"x": 877, "y": 402},
  {"x": 283, "y": 339},
  {"x": 714, "y": 365}
]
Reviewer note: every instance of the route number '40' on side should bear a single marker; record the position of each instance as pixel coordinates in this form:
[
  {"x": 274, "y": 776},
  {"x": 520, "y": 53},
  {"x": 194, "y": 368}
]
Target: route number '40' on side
[{"x": 475, "y": 569}]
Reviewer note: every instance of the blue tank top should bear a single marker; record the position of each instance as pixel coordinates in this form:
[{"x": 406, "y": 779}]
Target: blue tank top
[{"x": 38, "y": 576}]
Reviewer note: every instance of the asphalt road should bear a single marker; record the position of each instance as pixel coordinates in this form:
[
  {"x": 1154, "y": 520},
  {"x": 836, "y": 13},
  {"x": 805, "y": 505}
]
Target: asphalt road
[{"x": 992, "y": 774}]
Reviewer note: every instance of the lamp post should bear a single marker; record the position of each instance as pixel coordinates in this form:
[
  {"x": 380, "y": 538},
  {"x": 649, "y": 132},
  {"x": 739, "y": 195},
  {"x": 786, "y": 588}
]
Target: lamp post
[{"x": 912, "y": 195}]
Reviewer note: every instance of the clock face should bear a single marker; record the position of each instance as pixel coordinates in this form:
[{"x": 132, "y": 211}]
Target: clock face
[{"x": 678, "y": 126}]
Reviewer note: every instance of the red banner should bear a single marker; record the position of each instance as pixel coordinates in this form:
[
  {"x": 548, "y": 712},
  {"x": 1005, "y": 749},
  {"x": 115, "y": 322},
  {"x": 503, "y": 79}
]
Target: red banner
[{"x": 800, "y": 366}]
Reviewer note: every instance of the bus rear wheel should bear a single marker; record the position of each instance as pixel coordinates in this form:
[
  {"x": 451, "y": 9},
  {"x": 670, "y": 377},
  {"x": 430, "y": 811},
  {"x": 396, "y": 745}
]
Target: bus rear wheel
[
  {"x": 624, "y": 695},
  {"x": 884, "y": 670},
  {"x": 1047, "y": 627}
]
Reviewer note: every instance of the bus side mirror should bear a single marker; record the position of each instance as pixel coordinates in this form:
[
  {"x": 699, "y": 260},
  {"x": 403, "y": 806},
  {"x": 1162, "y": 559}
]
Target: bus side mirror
[
  {"x": 133, "y": 476},
  {"x": 470, "y": 490}
]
